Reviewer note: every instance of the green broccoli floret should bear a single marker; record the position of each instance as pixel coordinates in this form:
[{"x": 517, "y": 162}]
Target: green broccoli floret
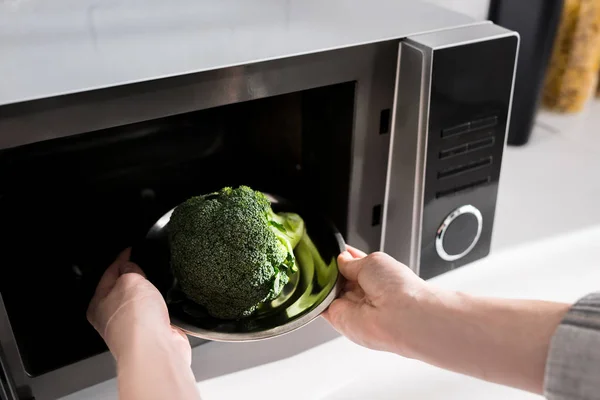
[{"x": 230, "y": 252}]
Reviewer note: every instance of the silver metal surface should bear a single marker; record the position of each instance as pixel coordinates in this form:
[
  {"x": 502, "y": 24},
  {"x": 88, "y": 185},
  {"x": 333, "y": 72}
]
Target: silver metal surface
[
  {"x": 270, "y": 333},
  {"x": 441, "y": 233},
  {"x": 28, "y": 123},
  {"x": 461, "y": 36},
  {"x": 7, "y": 386},
  {"x": 58, "y": 47},
  {"x": 11, "y": 359},
  {"x": 374, "y": 93},
  {"x": 401, "y": 235}
]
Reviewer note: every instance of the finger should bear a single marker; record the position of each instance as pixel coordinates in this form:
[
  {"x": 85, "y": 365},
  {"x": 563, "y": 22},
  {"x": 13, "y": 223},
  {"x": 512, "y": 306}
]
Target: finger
[
  {"x": 184, "y": 344},
  {"x": 353, "y": 286},
  {"x": 179, "y": 332},
  {"x": 125, "y": 255},
  {"x": 350, "y": 286},
  {"x": 341, "y": 314},
  {"x": 355, "y": 296},
  {"x": 356, "y": 253},
  {"x": 108, "y": 279},
  {"x": 349, "y": 266},
  {"x": 112, "y": 273},
  {"x": 333, "y": 310},
  {"x": 130, "y": 268}
]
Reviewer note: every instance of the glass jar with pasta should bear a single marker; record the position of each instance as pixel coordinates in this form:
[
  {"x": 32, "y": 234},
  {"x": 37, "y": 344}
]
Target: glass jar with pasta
[{"x": 573, "y": 71}]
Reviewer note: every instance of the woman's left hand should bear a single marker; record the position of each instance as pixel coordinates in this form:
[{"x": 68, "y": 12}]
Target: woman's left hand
[{"x": 126, "y": 306}]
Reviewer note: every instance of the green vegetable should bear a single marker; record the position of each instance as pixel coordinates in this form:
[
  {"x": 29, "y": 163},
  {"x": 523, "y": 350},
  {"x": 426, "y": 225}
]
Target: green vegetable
[
  {"x": 230, "y": 252},
  {"x": 318, "y": 276},
  {"x": 307, "y": 250}
]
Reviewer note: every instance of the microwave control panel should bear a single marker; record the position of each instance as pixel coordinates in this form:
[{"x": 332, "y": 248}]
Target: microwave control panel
[
  {"x": 469, "y": 110},
  {"x": 454, "y": 92}
]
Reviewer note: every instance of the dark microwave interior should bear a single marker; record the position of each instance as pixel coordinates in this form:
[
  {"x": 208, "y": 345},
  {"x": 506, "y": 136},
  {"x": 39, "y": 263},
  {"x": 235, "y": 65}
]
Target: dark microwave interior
[{"x": 69, "y": 205}]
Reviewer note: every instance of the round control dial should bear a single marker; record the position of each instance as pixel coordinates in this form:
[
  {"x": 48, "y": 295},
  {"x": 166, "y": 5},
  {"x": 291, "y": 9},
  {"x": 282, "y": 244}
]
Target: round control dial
[{"x": 459, "y": 233}]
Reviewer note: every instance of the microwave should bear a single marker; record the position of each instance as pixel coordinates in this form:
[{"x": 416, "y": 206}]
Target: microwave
[{"x": 388, "y": 116}]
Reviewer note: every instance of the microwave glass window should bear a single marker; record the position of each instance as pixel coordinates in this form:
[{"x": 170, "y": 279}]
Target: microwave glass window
[{"x": 68, "y": 206}]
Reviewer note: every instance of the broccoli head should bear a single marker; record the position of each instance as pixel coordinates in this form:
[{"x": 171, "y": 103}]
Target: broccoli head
[{"x": 230, "y": 252}]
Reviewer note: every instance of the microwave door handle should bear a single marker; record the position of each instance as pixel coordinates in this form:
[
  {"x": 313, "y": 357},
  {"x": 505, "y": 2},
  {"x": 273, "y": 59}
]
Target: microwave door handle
[{"x": 403, "y": 206}]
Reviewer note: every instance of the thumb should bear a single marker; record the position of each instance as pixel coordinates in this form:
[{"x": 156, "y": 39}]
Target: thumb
[
  {"x": 349, "y": 266},
  {"x": 343, "y": 316},
  {"x": 130, "y": 268},
  {"x": 125, "y": 255}
]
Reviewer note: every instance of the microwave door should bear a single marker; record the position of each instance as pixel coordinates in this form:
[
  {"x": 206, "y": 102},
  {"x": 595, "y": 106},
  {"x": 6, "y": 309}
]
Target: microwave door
[
  {"x": 8, "y": 390},
  {"x": 14, "y": 382},
  {"x": 8, "y": 387}
]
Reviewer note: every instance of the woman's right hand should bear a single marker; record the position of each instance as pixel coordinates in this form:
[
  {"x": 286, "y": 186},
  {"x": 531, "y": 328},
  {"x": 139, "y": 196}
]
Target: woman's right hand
[
  {"x": 381, "y": 303},
  {"x": 385, "y": 306}
]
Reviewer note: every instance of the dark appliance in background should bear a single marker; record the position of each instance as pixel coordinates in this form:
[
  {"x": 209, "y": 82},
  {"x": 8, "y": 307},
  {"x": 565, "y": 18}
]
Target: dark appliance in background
[{"x": 536, "y": 21}]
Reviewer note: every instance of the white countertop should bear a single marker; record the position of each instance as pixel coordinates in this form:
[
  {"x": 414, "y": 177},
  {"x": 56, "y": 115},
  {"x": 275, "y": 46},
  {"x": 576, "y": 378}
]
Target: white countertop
[
  {"x": 551, "y": 185},
  {"x": 545, "y": 246}
]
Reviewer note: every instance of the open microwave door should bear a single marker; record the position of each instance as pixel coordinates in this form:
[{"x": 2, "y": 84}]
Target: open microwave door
[{"x": 7, "y": 387}]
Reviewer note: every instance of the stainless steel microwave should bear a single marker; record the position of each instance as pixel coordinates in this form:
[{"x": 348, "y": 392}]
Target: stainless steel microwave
[{"x": 390, "y": 116}]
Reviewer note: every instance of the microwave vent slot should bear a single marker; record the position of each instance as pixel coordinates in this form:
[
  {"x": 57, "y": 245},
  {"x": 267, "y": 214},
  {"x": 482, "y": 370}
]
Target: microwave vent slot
[
  {"x": 481, "y": 143},
  {"x": 464, "y": 168},
  {"x": 463, "y": 188},
  {"x": 384, "y": 121},
  {"x": 456, "y": 130},
  {"x": 468, "y": 127},
  {"x": 484, "y": 123},
  {"x": 376, "y": 214},
  {"x": 467, "y": 147}
]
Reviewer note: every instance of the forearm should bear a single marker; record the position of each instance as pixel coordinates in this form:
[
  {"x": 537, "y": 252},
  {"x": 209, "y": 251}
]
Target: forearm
[
  {"x": 502, "y": 341},
  {"x": 152, "y": 368}
]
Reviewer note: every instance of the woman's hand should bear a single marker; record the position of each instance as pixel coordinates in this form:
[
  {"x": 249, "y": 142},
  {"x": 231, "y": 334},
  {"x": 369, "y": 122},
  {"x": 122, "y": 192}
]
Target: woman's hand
[
  {"x": 126, "y": 304},
  {"x": 387, "y": 307},
  {"x": 153, "y": 358},
  {"x": 380, "y": 301}
]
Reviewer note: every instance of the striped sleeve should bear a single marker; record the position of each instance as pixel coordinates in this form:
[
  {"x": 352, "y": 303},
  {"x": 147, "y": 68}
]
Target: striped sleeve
[{"x": 573, "y": 364}]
